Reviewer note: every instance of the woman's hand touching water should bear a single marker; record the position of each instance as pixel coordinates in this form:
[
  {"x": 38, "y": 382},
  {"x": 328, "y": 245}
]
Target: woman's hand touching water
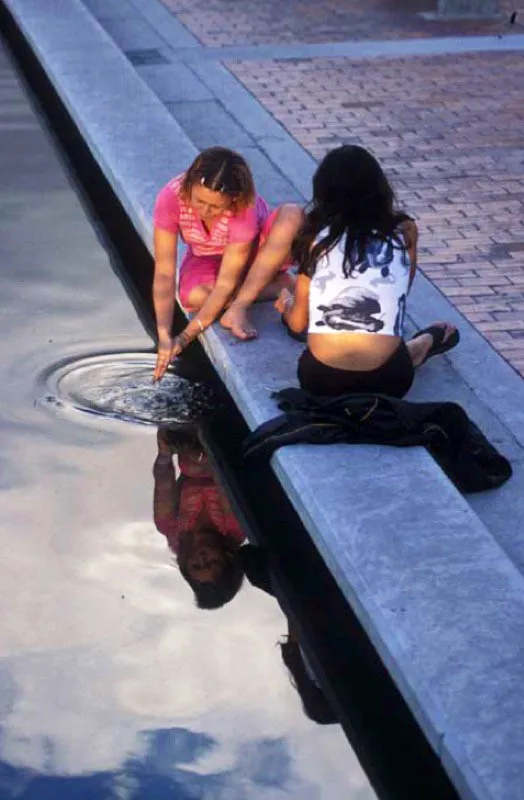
[
  {"x": 169, "y": 349},
  {"x": 164, "y": 356}
]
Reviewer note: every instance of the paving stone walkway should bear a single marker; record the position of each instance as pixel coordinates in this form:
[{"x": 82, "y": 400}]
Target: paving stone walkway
[{"x": 228, "y": 22}]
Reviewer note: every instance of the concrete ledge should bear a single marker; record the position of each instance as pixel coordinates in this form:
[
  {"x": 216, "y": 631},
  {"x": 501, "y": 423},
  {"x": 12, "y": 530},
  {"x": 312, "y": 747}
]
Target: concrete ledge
[
  {"x": 468, "y": 8},
  {"x": 368, "y": 48},
  {"x": 441, "y": 601}
]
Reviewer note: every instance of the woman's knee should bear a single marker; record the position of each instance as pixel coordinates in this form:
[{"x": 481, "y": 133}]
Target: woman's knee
[{"x": 198, "y": 296}]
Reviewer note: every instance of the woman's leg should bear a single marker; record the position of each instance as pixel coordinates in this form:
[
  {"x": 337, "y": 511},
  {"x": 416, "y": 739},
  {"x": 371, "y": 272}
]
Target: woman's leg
[
  {"x": 420, "y": 346},
  {"x": 263, "y": 281},
  {"x": 284, "y": 280}
]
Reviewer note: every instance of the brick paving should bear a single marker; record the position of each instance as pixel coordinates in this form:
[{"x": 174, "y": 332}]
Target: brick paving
[
  {"x": 448, "y": 129},
  {"x": 219, "y": 23}
]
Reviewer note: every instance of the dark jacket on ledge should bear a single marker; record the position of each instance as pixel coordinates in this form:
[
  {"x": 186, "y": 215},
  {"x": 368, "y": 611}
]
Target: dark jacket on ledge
[{"x": 462, "y": 451}]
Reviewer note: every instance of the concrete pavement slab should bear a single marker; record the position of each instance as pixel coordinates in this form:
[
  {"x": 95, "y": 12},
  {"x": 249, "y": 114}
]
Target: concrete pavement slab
[
  {"x": 132, "y": 33},
  {"x": 206, "y": 121},
  {"x": 175, "y": 84}
]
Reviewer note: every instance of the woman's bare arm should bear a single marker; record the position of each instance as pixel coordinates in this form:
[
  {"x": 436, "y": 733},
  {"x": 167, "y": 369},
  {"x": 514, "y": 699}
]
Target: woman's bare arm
[
  {"x": 164, "y": 281},
  {"x": 165, "y": 493},
  {"x": 164, "y": 291},
  {"x": 271, "y": 256},
  {"x": 231, "y": 272},
  {"x": 410, "y": 232}
]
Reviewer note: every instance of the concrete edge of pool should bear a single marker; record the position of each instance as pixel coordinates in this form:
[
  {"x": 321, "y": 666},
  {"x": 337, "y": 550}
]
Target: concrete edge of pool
[{"x": 446, "y": 618}]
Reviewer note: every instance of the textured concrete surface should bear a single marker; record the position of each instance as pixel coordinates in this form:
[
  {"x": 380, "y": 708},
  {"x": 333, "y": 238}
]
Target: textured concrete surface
[
  {"x": 175, "y": 85},
  {"x": 436, "y": 593},
  {"x": 132, "y": 34}
]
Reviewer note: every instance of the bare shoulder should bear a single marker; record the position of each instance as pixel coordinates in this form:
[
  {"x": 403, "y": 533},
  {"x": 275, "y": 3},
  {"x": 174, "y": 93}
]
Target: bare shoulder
[
  {"x": 409, "y": 227},
  {"x": 410, "y": 232}
]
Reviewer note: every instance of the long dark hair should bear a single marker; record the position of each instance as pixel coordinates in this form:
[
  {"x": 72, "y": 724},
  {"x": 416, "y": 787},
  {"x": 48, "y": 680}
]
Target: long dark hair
[
  {"x": 215, "y": 595},
  {"x": 353, "y": 198},
  {"x": 314, "y": 701},
  {"x": 221, "y": 170}
]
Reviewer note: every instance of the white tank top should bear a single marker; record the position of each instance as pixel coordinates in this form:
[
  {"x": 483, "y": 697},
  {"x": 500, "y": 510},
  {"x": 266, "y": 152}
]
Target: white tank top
[{"x": 371, "y": 300}]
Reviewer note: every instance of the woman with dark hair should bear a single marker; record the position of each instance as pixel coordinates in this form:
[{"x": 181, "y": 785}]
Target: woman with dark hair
[
  {"x": 258, "y": 569},
  {"x": 214, "y": 209},
  {"x": 195, "y": 516},
  {"x": 357, "y": 258}
]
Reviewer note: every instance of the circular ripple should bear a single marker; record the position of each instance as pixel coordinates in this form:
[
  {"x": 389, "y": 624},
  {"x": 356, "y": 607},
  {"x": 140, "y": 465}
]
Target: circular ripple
[{"x": 120, "y": 386}]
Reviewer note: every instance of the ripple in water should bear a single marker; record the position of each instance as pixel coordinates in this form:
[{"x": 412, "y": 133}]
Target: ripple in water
[{"x": 120, "y": 386}]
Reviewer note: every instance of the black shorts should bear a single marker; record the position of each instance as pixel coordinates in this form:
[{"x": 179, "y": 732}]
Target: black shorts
[{"x": 393, "y": 378}]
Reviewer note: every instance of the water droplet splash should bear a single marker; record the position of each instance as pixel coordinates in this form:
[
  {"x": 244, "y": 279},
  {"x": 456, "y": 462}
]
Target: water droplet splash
[{"x": 120, "y": 386}]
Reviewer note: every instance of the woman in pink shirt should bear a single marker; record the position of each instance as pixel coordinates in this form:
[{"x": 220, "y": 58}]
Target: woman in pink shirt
[{"x": 214, "y": 209}]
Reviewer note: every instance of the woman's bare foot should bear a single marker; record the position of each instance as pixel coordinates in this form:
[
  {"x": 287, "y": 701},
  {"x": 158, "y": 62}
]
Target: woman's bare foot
[
  {"x": 420, "y": 345},
  {"x": 237, "y": 321}
]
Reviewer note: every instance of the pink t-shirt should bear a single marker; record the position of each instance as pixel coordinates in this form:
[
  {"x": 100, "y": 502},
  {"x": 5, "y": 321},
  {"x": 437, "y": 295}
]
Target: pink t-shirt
[
  {"x": 200, "y": 498},
  {"x": 173, "y": 214}
]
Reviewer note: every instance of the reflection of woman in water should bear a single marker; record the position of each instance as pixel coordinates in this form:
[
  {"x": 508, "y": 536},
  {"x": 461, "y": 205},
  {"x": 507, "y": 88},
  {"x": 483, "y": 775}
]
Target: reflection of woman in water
[
  {"x": 314, "y": 702},
  {"x": 194, "y": 514}
]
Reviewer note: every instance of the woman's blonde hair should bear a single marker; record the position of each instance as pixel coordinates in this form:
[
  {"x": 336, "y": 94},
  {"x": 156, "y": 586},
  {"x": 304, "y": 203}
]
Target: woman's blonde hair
[{"x": 221, "y": 170}]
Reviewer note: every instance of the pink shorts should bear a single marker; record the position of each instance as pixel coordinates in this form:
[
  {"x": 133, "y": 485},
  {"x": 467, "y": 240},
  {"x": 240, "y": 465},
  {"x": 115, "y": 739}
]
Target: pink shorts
[
  {"x": 198, "y": 270},
  {"x": 194, "y": 271}
]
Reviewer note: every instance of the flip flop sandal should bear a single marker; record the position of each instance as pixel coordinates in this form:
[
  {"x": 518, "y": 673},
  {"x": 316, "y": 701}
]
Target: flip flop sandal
[
  {"x": 299, "y": 337},
  {"x": 439, "y": 346}
]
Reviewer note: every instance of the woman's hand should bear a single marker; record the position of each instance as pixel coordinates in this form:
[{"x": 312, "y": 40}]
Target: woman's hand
[
  {"x": 169, "y": 349},
  {"x": 294, "y": 307},
  {"x": 179, "y": 342},
  {"x": 283, "y": 301},
  {"x": 164, "y": 356}
]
